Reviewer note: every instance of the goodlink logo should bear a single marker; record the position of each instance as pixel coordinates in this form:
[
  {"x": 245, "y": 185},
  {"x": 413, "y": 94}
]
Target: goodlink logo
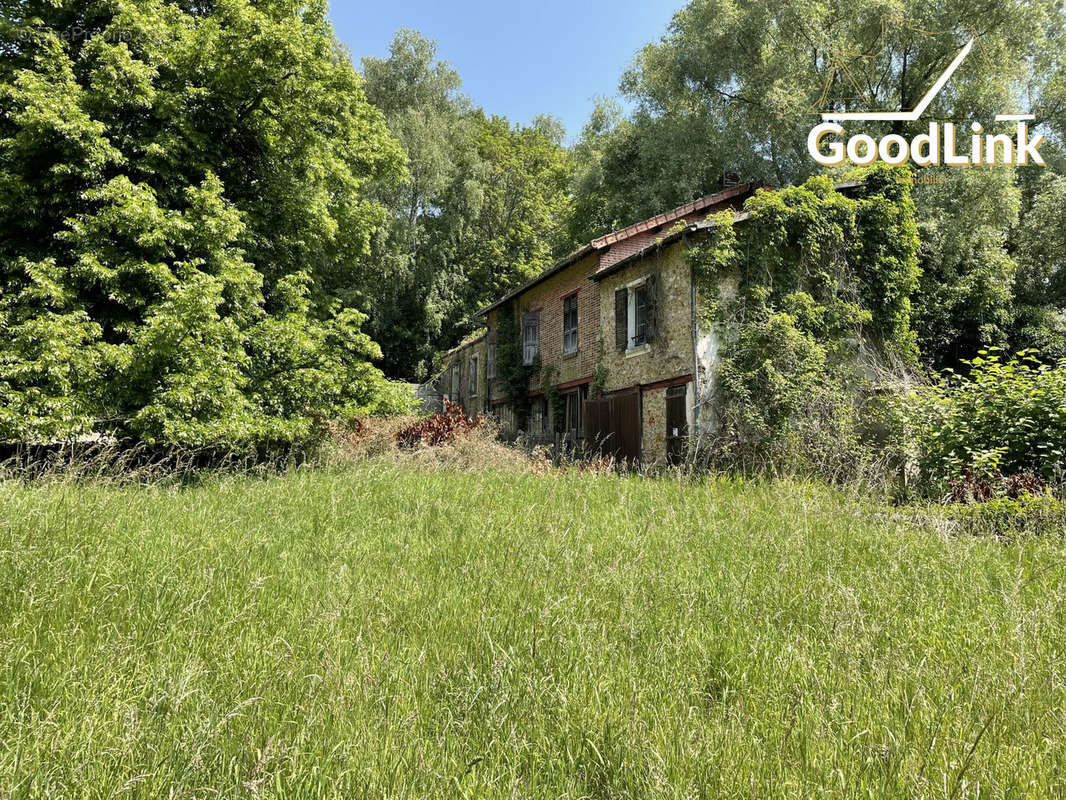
[{"x": 938, "y": 146}]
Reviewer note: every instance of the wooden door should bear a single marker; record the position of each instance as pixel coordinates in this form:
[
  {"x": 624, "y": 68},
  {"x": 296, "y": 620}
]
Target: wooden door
[
  {"x": 676, "y": 424},
  {"x": 612, "y": 425}
]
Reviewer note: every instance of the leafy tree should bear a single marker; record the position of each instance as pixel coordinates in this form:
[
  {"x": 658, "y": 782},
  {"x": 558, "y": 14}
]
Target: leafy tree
[
  {"x": 965, "y": 300},
  {"x": 762, "y": 70},
  {"x": 736, "y": 87},
  {"x": 484, "y": 205},
  {"x": 508, "y": 225},
  {"x": 631, "y": 168},
  {"x": 167, "y": 170},
  {"x": 1041, "y": 278}
]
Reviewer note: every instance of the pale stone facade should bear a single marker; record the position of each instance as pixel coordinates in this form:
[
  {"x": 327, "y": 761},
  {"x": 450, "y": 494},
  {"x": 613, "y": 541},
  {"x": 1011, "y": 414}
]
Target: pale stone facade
[{"x": 669, "y": 355}]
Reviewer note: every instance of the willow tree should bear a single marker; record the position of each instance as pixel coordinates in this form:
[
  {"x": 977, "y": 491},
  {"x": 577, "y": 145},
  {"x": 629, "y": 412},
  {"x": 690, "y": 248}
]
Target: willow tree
[{"x": 735, "y": 87}]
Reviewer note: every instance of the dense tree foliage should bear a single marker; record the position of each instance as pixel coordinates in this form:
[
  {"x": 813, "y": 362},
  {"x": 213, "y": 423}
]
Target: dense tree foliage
[
  {"x": 736, "y": 87},
  {"x": 1040, "y": 286},
  {"x": 485, "y": 205},
  {"x": 183, "y": 190}
]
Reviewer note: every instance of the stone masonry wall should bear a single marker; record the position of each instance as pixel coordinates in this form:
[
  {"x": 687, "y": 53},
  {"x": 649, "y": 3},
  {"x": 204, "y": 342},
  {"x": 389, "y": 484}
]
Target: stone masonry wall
[
  {"x": 670, "y": 355},
  {"x": 473, "y": 402}
]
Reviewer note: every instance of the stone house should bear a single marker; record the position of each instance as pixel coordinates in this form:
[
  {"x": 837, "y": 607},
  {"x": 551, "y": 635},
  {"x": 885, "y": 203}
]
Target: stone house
[
  {"x": 611, "y": 338},
  {"x": 613, "y": 349}
]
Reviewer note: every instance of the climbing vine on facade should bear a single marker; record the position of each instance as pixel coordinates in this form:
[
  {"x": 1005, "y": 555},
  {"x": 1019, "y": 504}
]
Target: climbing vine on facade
[
  {"x": 816, "y": 279},
  {"x": 512, "y": 372}
]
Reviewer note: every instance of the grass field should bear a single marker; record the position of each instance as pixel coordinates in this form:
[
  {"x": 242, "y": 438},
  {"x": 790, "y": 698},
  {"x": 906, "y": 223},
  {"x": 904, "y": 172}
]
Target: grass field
[{"x": 378, "y": 631}]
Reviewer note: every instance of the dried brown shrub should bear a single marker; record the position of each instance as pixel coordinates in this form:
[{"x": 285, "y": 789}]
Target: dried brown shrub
[
  {"x": 440, "y": 429},
  {"x": 973, "y": 488},
  {"x": 410, "y": 441}
]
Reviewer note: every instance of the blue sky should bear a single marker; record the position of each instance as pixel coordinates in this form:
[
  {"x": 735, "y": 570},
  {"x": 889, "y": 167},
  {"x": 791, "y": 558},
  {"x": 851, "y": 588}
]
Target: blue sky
[{"x": 518, "y": 59}]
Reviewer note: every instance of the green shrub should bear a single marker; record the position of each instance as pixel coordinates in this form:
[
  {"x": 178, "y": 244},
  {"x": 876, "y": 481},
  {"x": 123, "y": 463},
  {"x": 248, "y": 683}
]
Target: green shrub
[
  {"x": 787, "y": 403},
  {"x": 185, "y": 197},
  {"x": 1007, "y": 416}
]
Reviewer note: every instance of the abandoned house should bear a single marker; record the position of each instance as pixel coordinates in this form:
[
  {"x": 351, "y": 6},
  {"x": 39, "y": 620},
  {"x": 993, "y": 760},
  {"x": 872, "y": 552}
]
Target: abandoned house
[{"x": 618, "y": 359}]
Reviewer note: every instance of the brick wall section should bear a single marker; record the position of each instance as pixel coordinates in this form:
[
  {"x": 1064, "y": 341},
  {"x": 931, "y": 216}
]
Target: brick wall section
[
  {"x": 547, "y": 298},
  {"x": 670, "y": 355}
]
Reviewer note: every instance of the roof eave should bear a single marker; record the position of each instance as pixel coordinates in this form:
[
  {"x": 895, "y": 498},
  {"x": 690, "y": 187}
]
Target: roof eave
[
  {"x": 659, "y": 244},
  {"x": 696, "y": 227}
]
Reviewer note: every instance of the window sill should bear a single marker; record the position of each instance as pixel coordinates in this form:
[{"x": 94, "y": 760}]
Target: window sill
[
  {"x": 571, "y": 354},
  {"x": 638, "y": 351}
]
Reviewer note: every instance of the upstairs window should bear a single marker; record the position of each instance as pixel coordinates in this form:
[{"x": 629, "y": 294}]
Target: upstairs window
[
  {"x": 490, "y": 365},
  {"x": 638, "y": 316},
  {"x": 570, "y": 324},
  {"x": 634, "y": 314},
  {"x": 530, "y": 338},
  {"x": 473, "y": 376}
]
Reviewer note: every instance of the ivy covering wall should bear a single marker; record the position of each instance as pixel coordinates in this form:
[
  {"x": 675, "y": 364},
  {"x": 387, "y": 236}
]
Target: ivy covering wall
[
  {"x": 512, "y": 373},
  {"x": 802, "y": 294}
]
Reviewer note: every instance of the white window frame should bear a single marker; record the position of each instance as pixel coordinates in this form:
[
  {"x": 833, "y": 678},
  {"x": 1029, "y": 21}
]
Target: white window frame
[
  {"x": 490, "y": 357},
  {"x": 473, "y": 377},
  {"x": 631, "y": 317},
  {"x": 455, "y": 384}
]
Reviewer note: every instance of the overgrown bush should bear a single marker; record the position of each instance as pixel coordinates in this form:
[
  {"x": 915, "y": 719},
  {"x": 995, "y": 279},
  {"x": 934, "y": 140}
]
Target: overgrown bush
[
  {"x": 1006, "y": 417},
  {"x": 185, "y": 190},
  {"x": 440, "y": 429},
  {"x": 472, "y": 448},
  {"x": 813, "y": 286},
  {"x": 787, "y": 403}
]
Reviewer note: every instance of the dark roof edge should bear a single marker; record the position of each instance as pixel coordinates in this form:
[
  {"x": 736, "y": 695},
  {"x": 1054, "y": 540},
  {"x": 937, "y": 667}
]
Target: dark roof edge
[
  {"x": 605, "y": 241},
  {"x": 666, "y": 217},
  {"x": 468, "y": 342},
  {"x": 659, "y": 243},
  {"x": 593, "y": 246}
]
